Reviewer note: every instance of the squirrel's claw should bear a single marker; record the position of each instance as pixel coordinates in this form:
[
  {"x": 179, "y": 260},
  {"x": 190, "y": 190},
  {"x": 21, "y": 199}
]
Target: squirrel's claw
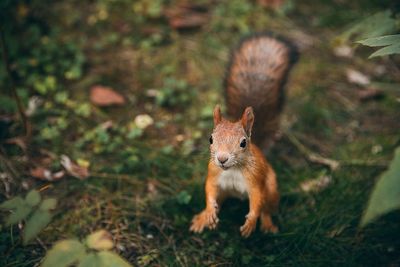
[
  {"x": 248, "y": 227},
  {"x": 204, "y": 219},
  {"x": 197, "y": 225}
]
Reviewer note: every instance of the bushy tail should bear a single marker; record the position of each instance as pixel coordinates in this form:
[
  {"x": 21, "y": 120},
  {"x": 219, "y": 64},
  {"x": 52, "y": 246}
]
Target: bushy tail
[{"x": 255, "y": 76}]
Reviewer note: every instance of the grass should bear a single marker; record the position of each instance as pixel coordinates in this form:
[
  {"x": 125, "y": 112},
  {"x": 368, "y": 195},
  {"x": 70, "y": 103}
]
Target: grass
[{"x": 145, "y": 190}]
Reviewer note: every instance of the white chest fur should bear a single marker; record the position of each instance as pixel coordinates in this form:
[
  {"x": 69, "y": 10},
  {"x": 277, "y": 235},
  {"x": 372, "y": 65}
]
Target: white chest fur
[{"x": 233, "y": 182}]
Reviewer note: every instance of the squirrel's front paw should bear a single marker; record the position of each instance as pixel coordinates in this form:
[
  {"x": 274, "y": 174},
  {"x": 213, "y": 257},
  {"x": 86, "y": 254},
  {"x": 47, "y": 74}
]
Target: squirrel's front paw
[
  {"x": 248, "y": 227},
  {"x": 207, "y": 218}
]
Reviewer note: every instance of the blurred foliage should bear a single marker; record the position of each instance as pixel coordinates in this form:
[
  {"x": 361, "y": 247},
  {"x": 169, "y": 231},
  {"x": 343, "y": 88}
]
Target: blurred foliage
[
  {"x": 385, "y": 196},
  {"x": 175, "y": 93},
  {"x": 391, "y": 43},
  {"x": 95, "y": 251},
  {"x": 378, "y": 24},
  {"x": 34, "y": 211},
  {"x": 375, "y": 29}
]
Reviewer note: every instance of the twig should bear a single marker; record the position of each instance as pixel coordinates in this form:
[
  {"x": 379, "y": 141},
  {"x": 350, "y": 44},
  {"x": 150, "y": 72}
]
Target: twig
[
  {"x": 360, "y": 162},
  {"x": 18, "y": 101},
  {"x": 310, "y": 155},
  {"x": 8, "y": 165},
  {"x": 331, "y": 163},
  {"x": 131, "y": 179},
  {"x": 41, "y": 243}
]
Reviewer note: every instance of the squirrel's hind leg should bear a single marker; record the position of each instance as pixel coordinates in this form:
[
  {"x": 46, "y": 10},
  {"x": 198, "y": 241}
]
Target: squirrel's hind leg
[{"x": 267, "y": 226}]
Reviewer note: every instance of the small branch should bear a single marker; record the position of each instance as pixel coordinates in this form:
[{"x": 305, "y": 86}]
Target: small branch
[
  {"x": 18, "y": 101},
  {"x": 360, "y": 162},
  {"x": 331, "y": 163},
  {"x": 8, "y": 166},
  {"x": 312, "y": 156},
  {"x": 129, "y": 178},
  {"x": 41, "y": 243}
]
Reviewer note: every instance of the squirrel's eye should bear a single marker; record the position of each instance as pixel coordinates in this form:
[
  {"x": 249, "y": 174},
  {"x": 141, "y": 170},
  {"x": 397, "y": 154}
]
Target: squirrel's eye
[
  {"x": 243, "y": 143},
  {"x": 211, "y": 140}
]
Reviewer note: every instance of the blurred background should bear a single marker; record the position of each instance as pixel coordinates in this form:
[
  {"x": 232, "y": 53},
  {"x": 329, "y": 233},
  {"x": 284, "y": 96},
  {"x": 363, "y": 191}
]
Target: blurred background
[{"x": 105, "y": 115}]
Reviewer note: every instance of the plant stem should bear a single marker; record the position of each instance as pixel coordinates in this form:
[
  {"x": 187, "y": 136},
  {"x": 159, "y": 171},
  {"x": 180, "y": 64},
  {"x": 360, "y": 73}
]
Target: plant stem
[{"x": 18, "y": 101}]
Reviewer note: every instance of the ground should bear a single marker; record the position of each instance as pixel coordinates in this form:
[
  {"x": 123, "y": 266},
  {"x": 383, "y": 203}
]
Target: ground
[{"x": 146, "y": 185}]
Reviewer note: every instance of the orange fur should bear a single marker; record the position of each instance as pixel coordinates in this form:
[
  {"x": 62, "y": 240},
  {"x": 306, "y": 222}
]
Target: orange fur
[
  {"x": 249, "y": 163},
  {"x": 256, "y": 76}
]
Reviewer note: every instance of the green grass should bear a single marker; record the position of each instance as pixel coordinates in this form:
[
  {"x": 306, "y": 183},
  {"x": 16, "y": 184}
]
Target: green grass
[{"x": 146, "y": 189}]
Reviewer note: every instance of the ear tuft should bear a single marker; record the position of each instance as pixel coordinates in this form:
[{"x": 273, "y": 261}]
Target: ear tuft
[
  {"x": 248, "y": 120},
  {"x": 217, "y": 115}
]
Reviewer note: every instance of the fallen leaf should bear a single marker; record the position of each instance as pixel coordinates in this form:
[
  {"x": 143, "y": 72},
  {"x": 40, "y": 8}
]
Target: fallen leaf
[
  {"x": 271, "y": 3},
  {"x": 152, "y": 188},
  {"x": 143, "y": 121},
  {"x": 73, "y": 168},
  {"x": 83, "y": 163},
  {"x": 105, "y": 96},
  {"x": 356, "y": 77},
  {"x": 18, "y": 141},
  {"x": 100, "y": 240},
  {"x": 343, "y": 51},
  {"x": 369, "y": 94},
  {"x": 33, "y": 103},
  {"x": 316, "y": 185},
  {"x": 107, "y": 125},
  {"x": 45, "y": 174},
  {"x": 187, "y": 16}
]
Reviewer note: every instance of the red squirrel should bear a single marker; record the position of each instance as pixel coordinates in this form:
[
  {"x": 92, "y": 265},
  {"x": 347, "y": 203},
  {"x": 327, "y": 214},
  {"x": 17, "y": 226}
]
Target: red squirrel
[{"x": 255, "y": 77}]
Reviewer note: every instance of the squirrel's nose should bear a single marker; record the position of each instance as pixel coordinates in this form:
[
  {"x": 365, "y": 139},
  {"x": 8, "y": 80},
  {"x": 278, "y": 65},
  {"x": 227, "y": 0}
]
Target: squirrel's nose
[{"x": 222, "y": 158}]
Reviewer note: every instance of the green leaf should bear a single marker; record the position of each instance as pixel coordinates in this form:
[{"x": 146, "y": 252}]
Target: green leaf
[
  {"x": 35, "y": 224},
  {"x": 33, "y": 198},
  {"x": 111, "y": 259},
  {"x": 20, "y": 213},
  {"x": 183, "y": 197},
  {"x": 64, "y": 253},
  {"x": 48, "y": 204},
  {"x": 381, "y": 40},
  {"x": 388, "y": 50},
  {"x": 100, "y": 240},
  {"x": 12, "y": 203},
  {"x": 90, "y": 260},
  {"x": 376, "y": 25},
  {"x": 385, "y": 196}
]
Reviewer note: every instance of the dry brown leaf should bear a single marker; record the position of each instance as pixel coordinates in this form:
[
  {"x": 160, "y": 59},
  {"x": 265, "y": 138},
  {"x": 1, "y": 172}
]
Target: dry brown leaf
[
  {"x": 345, "y": 51},
  {"x": 105, "y": 96},
  {"x": 369, "y": 94},
  {"x": 187, "y": 16},
  {"x": 45, "y": 174},
  {"x": 73, "y": 168},
  {"x": 316, "y": 185},
  {"x": 271, "y": 3},
  {"x": 356, "y": 77},
  {"x": 18, "y": 141}
]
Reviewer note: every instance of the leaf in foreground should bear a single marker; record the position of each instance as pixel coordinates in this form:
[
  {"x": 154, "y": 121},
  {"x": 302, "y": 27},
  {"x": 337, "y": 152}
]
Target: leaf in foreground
[
  {"x": 388, "y": 50},
  {"x": 48, "y": 204},
  {"x": 90, "y": 260},
  {"x": 385, "y": 196},
  {"x": 64, "y": 253},
  {"x": 381, "y": 40},
  {"x": 100, "y": 240},
  {"x": 12, "y": 203},
  {"x": 35, "y": 224},
  {"x": 20, "y": 213},
  {"x": 33, "y": 198},
  {"x": 108, "y": 258},
  {"x": 391, "y": 43}
]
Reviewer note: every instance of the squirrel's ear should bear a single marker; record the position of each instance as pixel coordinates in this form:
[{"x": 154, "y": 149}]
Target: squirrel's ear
[
  {"x": 248, "y": 120},
  {"x": 217, "y": 115}
]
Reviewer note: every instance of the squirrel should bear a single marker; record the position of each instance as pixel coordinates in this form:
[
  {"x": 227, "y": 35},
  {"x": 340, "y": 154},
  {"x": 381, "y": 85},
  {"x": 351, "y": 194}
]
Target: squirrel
[{"x": 254, "y": 82}]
